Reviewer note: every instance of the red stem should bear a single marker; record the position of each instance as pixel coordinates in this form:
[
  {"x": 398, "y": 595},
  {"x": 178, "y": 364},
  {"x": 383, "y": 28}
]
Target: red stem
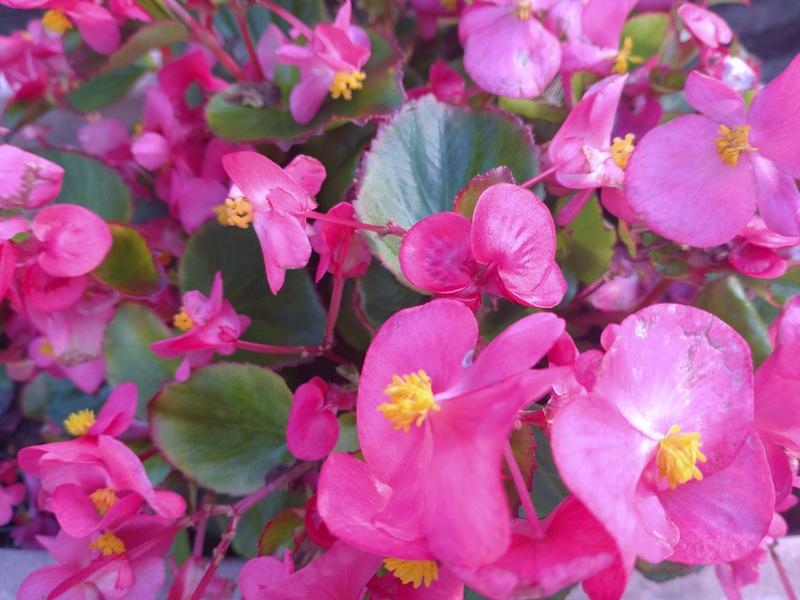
[
  {"x": 219, "y": 555},
  {"x": 787, "y": 584},
  {"x": 539, "y": 177},
  {"x": 388, "y": 229},
  {"x": 522, "y": 491},
  {"x": 333, "y": 310},
  {"x": 240, "y": 12},
  {"x": 288, "y": 17},
  {"x": 254, "y": 498},
  {"x": 269, "y": 349}
]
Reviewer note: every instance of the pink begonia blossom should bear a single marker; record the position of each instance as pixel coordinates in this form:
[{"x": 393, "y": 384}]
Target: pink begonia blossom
[
  {"x": 708, "y": 27},
  {"x": 29, "y": 61},
  {"x": 760, "y": 253},
  {"x": 193, "y": 68},
  {"x": 698, "y": 179},
  {"x": 188, "y": 578},
  {"x": 140, "y": 575},
  {"x": 342, "y": 251},
  {"x": 312, "y": 430},
  {"x": 432, "y": 424},
  {"x": 27, "y": 180},
  {"x": 445, "y": 83},
  {"x": 330, "y": 63},
  {"x": 95, "y": 23},
  {"x": 691, "y": 481},
  {"x": 507, "y": 51},
  {"x": 266, "y": 51},
  {"x": 507, "y": 249},
  {"x": 430, "y": 11},
  {"x": 573, "y": 547},
  {"x": 211, "y": 325},
  {"x": 10, "y": 496},
  {"x": 275, "y": 201}
]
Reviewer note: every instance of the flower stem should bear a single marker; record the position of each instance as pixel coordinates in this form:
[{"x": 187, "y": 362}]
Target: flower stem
[
  {"x": 240, "y": 12},
  {"x": 787, "y": 584},
  {"x": 333, "y": 310},
  {"x": 270, "y": 349},
  {"x": 538, "y": 178},
  {"x": 388, "y": 229},
  {"x": 522, "y": 491}
]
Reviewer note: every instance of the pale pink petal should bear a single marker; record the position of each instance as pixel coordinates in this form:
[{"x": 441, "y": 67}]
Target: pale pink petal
[
  {"x": 308, "y": 96},
  {"x": 312, "y": 430},
  {"x": 27, "y": 180},
  {"x": 706, "y": 26},
  {"x": 778, "y": 198},
  {"x": 48, "y": 293},
  {"x": 713, "y": 98},
  {"x": 777, "y": 403},
  {"x": 118, "y": 411},
  {"x": 284, "y": 244},
  {"x": 97, "y": 26},
  {"x": 257, "y": 176},
  {"x": 151, "y": 150},
  {"x": 308, "y": 172}
]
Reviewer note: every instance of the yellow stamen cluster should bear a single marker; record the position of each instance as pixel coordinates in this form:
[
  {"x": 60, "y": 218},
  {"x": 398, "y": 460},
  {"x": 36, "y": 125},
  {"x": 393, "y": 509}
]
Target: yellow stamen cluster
[
  {"x": 182, "y": 320},
  {"x": 345, "y": 83},
  {"x": 625, "y": 57},
  {"x": 103, "y": 499},
  {"x": 46, "y": 348},
  {"x": 732, "y": 141},
  {"x": 79, "y": 423},
  {"x": 410, "y": 399},
  {"x": 621, "y": 150},
  {"x": 523, "y": 10},
  {"x": 56, "y": 21},
  {"x": 677, "y": 457},
  {"x": 449, "y": 4},
  {"x": 413, "y": 571},
  {"x": 236, "y": 212},
  {"x": 108, "y": 544}
]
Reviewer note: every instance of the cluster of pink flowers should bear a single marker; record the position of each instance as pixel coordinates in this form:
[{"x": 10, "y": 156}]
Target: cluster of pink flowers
[{"x": 610, "y": 307}]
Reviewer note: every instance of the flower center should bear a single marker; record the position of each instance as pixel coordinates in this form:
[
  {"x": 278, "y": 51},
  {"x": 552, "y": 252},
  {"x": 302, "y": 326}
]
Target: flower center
[
  {"x": 182, "y": 320},
  {"x": 344, "y": 83},
  {"x": 235, "y": 213},
  {"x": 46, "y": 348},
  {"x": 677, "y": 457},
  {"x": 103, "y": 499},
  {"x": 449, "y": 4},
  {"x": 56, "y": 21},
  {"x": 621, "y": 150},
  {"x": 413, "y": 571},
  {"x": 109, "y": 544},
  {"x": 625, "y": 57},
  {"x": 732, "y": 141},
  {"x": 410, "y": 399},
  {"x": 79, "y": 423},
  {"x": 523, "y": 10}
]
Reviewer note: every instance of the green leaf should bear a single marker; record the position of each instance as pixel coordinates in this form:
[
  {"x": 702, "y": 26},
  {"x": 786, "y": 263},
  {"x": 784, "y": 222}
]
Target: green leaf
[
  {"x": 46, "y": 397},
  {"x": 664, "y": 571},
  {"x": 648, "y": 32},
  {"x": 241, "y": 117},
  {"x": 295, "y": 317},
  {"x": 348, "y": 434},
  {"x": 248, "y": 534},
  {"x": 381, "y": 295},
  {"x": 425, "y": 155},
  {"x": 225, "y": 427},
  {"x": 149, "y": 37},
  {"x": 786, "y": 286},
  {"x": 278, "y": 532},
  {"x": 548, "y": 489},
  {"x": 467, "y": 198},
  {"x": 588, "y": 242},
  {"x": 91, "y": 183},
  {"x": 104, "y": 89},
  {"x": 727, "y": 299},
  {"x": 128, "y": 355},
  {"x": 129, "y": 266}
]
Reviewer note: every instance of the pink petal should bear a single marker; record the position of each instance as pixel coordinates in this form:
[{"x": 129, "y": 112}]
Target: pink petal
[
  {"x": 49, "y": 294},
  {"x": 777, "y": 403},
  {"x": 17, "y": 169},
  {"x": 97, "y": 26},
  {"x": 757, "y": 261},
  {"x": 270, "y": 41},
  {"x": 713, "y": 98},
  {"x": 284, "y": 244},
  {"x": 435, "y": 253},
  {"x": 75, "y": 240},
  {"x": 679, "y": 185},
  {"x": 602, "y": 20},
  {"x": 257, "y": 176},
  {"x": 774, "y": 118},
  {"x": 44, "y": 580},
  {"x": 778, "y": 198},
  {"x": 727, "y": 514},
  {"x": 706, "y": 26},
  {"x": 117, "y": 412},
  {"x": 308, "y": 96},
  {"x": 312, "y": 429},
  {"x": 308, "y": 172},
  {"x": 259, "y": 575},
  {"x": 151, "y": 150}
]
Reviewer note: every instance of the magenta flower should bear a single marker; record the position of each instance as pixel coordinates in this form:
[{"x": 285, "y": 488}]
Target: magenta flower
[
  {"x": 210, "y": 325},
  {"x": 673, "y": 402},
  {"x": 27, "y": 180},
  {"x": 140, "y": 575},
  {"x": 432, "y": 424},
  {"x": 508, "y": 249},
  {"x": 760, "y": 253},
  {"x": 707, "y": 27},
  {"x": 331, "y": 62},
  {"x": 698, "y": 179},
  {"x": 30, "y": 60},
  {"x": 10, "y": 496},
  {"x": 507, "y": 51},
  {"x": 312, "y": 430},
  {"x": 445, "y": 83},
  {"x": 342, "y": 252},
  {"x": 189, "y": 576},
  {"x": 430, "y": 11},
  {"x": 275, "y": 201}
]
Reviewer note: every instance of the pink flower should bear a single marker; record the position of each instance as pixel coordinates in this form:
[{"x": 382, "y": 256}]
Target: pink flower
[
  {"x": 27, "y": 180},
  {"x": 140, "y": 575},
  {"x": 33, "y": 62},
  {"x": 10, "y": 494},
  {"x": 430, "y": 11},
  {"x": 188, "y": 578},
  {"x": 275, "y": 201},
  {"x": 507, "y": 51},
  {"x": 211, "y": 325},
  {"x": 341, "y": 573},
  {"x": 313, "y": 430},
  {"x": 698, "y": 179},
  {"x": 330, "y": 63},
  {"x": 508, "y": 249},
  {"x": 760, "y": 253},
  {"x": 707, "y": 27},
  {"x": 192, "y": 68},
  {"x": 445, "y": 83},
  {"x": 342, "y": 252},
  {"x": 667, "y": 428},
  {"x": 432, "y": 424}
]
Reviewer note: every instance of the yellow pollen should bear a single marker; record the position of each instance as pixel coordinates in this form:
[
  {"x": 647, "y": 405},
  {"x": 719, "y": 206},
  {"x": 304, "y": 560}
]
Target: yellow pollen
[
  {"x": 109, "y": 544},
  {"x": 449, "y": 4},
  {"x": 621, "y": 150},
  {"x": 625, "y": 57},
  {"x": 410, "y": 399},
  {"x": 138, "y": 128},
  {"x": 677, "y": 457},
  {"x": 46, "y": 349},
  {"x": 79, "y": 423},
  {"x": 345, "y": 83},
  {"x": 103, "y": 500},
  {"x": 732, "y": 141},
  {"x": 523, "y": 10},
  {"x": 413, "y": 571},
  {"x": 56, "y": 21},
  {"x": 235, "y": 213},
  {"x": 182, "y": 320}
]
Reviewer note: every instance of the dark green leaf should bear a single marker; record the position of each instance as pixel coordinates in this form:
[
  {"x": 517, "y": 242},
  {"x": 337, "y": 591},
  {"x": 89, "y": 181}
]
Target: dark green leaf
[
  {"x": 225, "y": 427},
  {"x": 664, "y": 571},
  {"x": 548, "y": 489},
  {"x": 648, "y": 32},
  {"x": 129, "y": 266},
  {"x": 277, "y": 533},
  {"x": 589, "y": 243},
  {"x": 381, "y": 295},
  {"x": 425, "y": 155},
  {"x": 467, "y": 198},
  {"x": 150, "y": 36},
  {"x": 246, "y": 542},
  {"x": 104, "y": 89}
]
